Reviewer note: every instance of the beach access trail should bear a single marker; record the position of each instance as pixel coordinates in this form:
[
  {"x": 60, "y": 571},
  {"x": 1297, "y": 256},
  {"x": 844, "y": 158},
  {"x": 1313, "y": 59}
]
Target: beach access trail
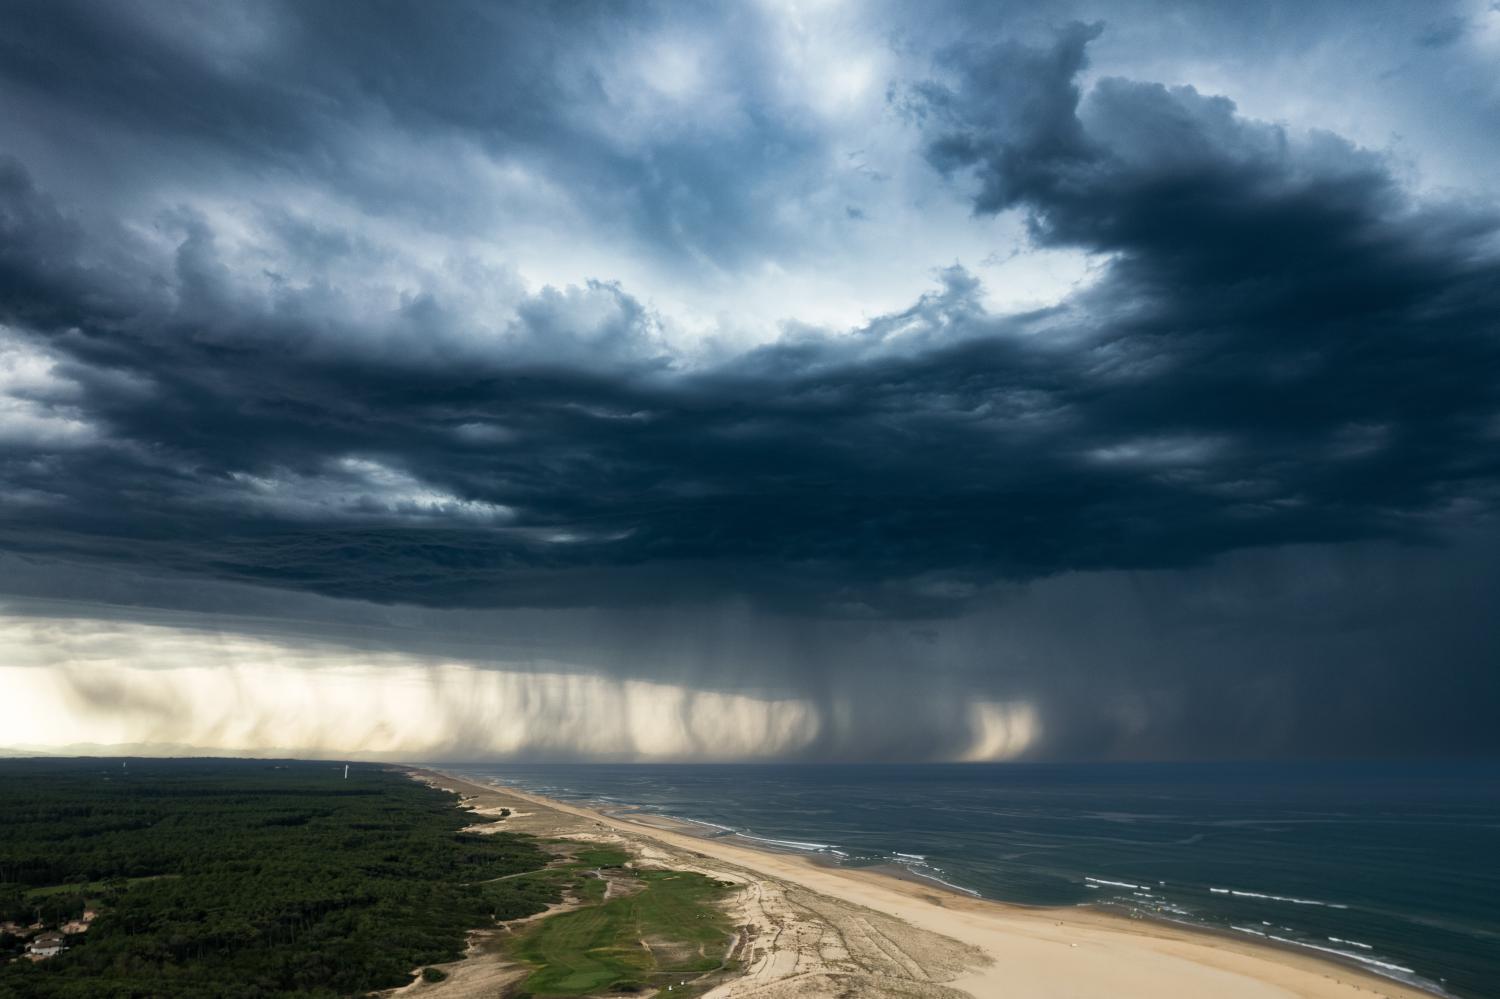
[{"x": 810, "y": 930}]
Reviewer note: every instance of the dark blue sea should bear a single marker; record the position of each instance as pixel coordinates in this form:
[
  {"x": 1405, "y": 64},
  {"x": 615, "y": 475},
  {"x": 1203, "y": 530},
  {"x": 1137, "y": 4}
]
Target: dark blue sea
[{"x": 1395, "y": 868}]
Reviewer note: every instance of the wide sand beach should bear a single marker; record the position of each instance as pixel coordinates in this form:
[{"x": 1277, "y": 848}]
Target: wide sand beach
[{"x": 810, "y": 930}]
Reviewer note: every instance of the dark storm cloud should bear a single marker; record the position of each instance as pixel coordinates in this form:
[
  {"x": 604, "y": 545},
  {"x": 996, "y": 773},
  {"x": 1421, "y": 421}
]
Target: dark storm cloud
[
  {"x": 1371, "y": 649},
  {"x": 1284, "y": 346},
  {"x": 324, "y": 93}
]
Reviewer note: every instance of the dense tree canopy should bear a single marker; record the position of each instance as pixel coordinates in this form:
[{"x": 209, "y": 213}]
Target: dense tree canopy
[{"x": 247, "y": 878}]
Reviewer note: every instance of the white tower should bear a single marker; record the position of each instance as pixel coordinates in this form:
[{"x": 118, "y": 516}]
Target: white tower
[{"x": 346, "y": 771}]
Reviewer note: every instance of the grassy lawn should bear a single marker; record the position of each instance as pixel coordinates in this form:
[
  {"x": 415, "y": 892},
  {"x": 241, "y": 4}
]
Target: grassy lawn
[
  {"x": 601, "y": 947},
  {"x": 601, "y": 856}
]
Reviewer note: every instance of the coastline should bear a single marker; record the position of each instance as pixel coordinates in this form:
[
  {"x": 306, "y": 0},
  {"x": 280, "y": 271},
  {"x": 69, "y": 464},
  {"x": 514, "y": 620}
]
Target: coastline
[{"x": 1008, "y": 948}]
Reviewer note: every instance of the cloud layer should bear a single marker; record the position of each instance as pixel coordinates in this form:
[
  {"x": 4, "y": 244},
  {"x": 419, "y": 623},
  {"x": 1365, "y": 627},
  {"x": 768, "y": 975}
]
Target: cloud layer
[
  {"x": 1280, "y": 346},
  {"x": 477, "y": 308}
]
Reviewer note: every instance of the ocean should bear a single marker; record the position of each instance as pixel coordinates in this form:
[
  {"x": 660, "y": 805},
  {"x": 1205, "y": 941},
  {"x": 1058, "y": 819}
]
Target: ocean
[{"x": 1394, "y": 867}]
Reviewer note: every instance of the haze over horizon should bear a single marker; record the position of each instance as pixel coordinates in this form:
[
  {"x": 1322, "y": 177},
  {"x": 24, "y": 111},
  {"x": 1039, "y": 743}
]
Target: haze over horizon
[{"x": 817, "y": 381}]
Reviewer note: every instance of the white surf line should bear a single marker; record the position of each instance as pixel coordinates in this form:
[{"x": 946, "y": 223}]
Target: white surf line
[
  {"x": 696, "y": 822},
  {"x": 1116, "y": 884},
  {"x": 948, "y": 884},
  {"x": 794, "y": 844},
  {"x": 1343, "y": 953},
  {"x": 1274, "y": 898},
  {"x": 1362, "y": 959}
]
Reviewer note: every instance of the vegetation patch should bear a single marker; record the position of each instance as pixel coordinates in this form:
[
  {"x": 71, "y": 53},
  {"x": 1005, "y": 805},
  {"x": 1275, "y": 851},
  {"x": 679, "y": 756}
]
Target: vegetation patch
[
  {"x": 666, "y": 926},
  {"x": 601, "y": 856},
  {"x": 249, "y": 878}
]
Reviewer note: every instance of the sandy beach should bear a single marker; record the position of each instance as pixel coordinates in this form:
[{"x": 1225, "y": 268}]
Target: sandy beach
[{"x": 809, "y": 930}]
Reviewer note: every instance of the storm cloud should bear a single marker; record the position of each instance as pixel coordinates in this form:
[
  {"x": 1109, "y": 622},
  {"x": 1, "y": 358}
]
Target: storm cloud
[{"x": 375, "y": 307}]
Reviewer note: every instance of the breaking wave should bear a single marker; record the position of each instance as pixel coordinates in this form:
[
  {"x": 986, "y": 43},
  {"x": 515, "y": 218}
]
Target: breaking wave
[{"x": 1275, "y": 898}]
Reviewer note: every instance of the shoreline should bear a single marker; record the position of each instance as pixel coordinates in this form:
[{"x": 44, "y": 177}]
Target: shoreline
[{"x": 1062, "y": 951}]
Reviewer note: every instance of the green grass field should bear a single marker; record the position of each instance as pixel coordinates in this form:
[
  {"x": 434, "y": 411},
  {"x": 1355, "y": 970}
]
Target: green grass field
[
  {"x": 601, "y": 856},
  {"x": 670, "y": 926}
]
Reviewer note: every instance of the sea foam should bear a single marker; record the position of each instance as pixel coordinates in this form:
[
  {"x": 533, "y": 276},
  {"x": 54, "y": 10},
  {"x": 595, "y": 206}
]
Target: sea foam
[{"x": 1273, "y": 898}]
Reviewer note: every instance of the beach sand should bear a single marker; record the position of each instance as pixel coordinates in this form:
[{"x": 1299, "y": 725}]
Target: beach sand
[{"x": 810, "y": 930}]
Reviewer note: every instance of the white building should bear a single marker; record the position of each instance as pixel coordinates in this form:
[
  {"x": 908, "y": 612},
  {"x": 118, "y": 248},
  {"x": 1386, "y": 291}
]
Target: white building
[{"x": 45, "y": 946}]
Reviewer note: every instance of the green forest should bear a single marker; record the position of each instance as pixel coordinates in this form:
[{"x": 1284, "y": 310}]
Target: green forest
[{"x": 252, "y": 878}]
